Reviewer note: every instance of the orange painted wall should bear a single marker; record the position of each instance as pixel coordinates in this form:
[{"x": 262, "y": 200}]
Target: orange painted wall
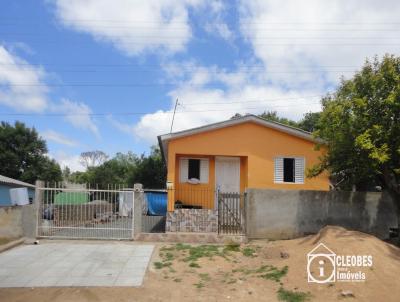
[{"x": 256, "y": 145}]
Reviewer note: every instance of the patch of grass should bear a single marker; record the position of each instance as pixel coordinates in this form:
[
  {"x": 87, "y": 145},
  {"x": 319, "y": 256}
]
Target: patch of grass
[
  {"x": 275, "y": 274},
  {"x": 246, "y": 271},
  {"x": 199, "y": 285},
  {"x": 205, "y": 277},
  {"x": 181, "y": 246},
  {"x": 160, "y": 265},
  {"x": 167, "y": 248},
  {"x": 232, "y": 247},
  {"x": 171, "y": 270},
  {"x": 197, "y": 252},
  {"x": 178, "y": 280},
  {"x": 194, "y": 265},
  {"x": 168, "y": 256},
  {"x": 292, "y": 296},
  {"x": 266, "y": 271},
  {"x": 263, "y": 269},
  {"x": 248, "y": 252}
]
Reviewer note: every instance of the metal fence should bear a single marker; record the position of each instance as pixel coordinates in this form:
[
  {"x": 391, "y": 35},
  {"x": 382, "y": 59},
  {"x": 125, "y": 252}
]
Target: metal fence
[
  {"x": 231, "y": 213},
  {"x": 85, "y": 212}
]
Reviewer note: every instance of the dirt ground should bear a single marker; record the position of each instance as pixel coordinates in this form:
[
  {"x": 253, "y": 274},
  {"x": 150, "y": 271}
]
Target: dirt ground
[{"x": 257, "y": 271}]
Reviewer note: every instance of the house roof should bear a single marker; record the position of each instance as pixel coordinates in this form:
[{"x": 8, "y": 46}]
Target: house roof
[
  {"x": 11, "y": 181},
  {"x": 164, "y": 139}
]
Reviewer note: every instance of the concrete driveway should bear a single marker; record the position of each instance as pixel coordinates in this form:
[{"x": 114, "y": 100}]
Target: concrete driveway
[{"x": 75, "y": 263}]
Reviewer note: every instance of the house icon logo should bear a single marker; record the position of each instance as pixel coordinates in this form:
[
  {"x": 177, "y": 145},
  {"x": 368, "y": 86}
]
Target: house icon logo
[{"x": 321, "y": 265}]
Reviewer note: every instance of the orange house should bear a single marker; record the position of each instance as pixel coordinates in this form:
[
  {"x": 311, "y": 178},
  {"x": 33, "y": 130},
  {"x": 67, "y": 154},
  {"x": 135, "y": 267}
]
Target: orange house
[{"x": 230, "y": 156}]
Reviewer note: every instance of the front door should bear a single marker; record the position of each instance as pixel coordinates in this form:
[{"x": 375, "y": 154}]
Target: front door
[{"x": 227, "y": 174}]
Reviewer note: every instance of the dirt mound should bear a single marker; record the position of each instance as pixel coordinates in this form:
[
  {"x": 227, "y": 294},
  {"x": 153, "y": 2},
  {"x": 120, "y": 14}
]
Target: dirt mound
[{"x": 381, "y": 282}]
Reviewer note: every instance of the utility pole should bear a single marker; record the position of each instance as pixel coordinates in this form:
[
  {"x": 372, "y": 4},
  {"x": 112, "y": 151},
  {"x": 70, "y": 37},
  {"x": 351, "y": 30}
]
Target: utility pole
[{"x": 173, "y": 116}]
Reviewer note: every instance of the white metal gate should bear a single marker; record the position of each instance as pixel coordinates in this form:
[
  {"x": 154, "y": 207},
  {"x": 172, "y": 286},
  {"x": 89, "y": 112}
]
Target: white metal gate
[{"x": 76, "y": 211}]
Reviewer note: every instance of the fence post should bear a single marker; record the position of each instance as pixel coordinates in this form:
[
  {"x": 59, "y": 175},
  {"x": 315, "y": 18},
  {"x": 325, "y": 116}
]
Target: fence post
[
  {"x": 37, "y": 206},
  {"x": 138, "y": 196},
  {"x": 244, "y": 213}
]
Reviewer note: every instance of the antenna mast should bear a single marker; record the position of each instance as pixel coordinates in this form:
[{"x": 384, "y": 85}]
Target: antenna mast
[{"x": 173, "y": 116}]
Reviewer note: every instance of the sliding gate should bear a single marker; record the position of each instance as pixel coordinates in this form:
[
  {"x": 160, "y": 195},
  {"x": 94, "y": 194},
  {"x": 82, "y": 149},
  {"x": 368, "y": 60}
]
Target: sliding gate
[{"x": 83, "y": 212}]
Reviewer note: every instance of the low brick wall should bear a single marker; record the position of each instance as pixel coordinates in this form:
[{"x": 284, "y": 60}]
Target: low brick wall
[
  {"x": 80, "y": 212},
  {"x": 192, "y": 220}
]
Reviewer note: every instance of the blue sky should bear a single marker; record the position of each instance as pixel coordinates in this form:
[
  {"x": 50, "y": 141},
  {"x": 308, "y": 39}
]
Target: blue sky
[{"x": 105, "y": 74}]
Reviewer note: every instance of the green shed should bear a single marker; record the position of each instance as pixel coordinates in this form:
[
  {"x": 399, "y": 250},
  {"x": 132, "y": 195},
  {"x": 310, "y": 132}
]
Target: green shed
[{"x": 71, "y": 198}]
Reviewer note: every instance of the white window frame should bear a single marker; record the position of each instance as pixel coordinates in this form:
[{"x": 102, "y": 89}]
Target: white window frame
[
  {"x": 296, "y": 158},
  {"x": 204, "y": 177}
]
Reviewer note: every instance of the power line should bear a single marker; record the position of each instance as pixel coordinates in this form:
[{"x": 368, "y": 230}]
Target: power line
[
  {"x": 143, "y": 113},
  {"x": 100, "y": 85},
  {"x": 167, "y": 43},
  {"x": 213, "y": 72},
  {"x": 96, "y": 64},
  {"x": 20, "y": 20},
  {"x": 146, "y": 36},
  {"x": 259, "y": 100}
]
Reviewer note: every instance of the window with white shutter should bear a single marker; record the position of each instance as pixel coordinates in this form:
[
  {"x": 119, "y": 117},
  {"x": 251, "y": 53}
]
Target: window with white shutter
[
  {"x": 299, "y": 170},
  {"x": 184, "y": 169},
  {"x": 278, "y": 177},
  {"x": 204, "y": 170},
  {"x": 289, "y": 170},
  {"x": 193, "y": 168}
]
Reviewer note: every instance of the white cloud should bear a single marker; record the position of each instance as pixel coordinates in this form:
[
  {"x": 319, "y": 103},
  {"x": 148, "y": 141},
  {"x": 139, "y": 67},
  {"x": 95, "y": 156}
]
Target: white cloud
[
  {"x": 301, "y": 48},
  {"x": 238, "y": 93},
  {"x": 59, "y": 138},
  {"x": 68, "y": 160},
  {"x": 216, "y": 12},
  {"x": 327, "y": 37},
  {"x": 123, "y": 127},
  {"x": 77, "y": 114},
  {"x": 21, "y": 84},
  {"x": 133, "y": 26}
]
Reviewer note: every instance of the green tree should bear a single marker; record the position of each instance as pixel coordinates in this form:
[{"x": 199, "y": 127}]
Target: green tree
[
  {"x": 309, "y": 121},
  {"x": 360, "y": 124},
  {"x": 22, "y": 154},
  {"x": 150, "y": 170},
  {"x": 273, "y": 116},
  {"x": 126, "y": 169}
]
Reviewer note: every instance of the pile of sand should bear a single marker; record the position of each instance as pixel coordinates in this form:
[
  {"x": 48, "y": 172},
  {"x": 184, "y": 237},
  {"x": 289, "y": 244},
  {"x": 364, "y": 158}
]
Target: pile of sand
[{"x": 382, "y": 279}]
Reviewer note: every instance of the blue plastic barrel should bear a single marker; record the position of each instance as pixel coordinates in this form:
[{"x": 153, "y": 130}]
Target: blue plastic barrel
[{"x": 157, "y": 202}]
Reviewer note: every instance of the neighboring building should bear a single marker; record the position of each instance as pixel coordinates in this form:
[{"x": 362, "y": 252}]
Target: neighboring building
[
  {"x": 230, "y": 156},
  {"x": 7, "y": 183}
]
